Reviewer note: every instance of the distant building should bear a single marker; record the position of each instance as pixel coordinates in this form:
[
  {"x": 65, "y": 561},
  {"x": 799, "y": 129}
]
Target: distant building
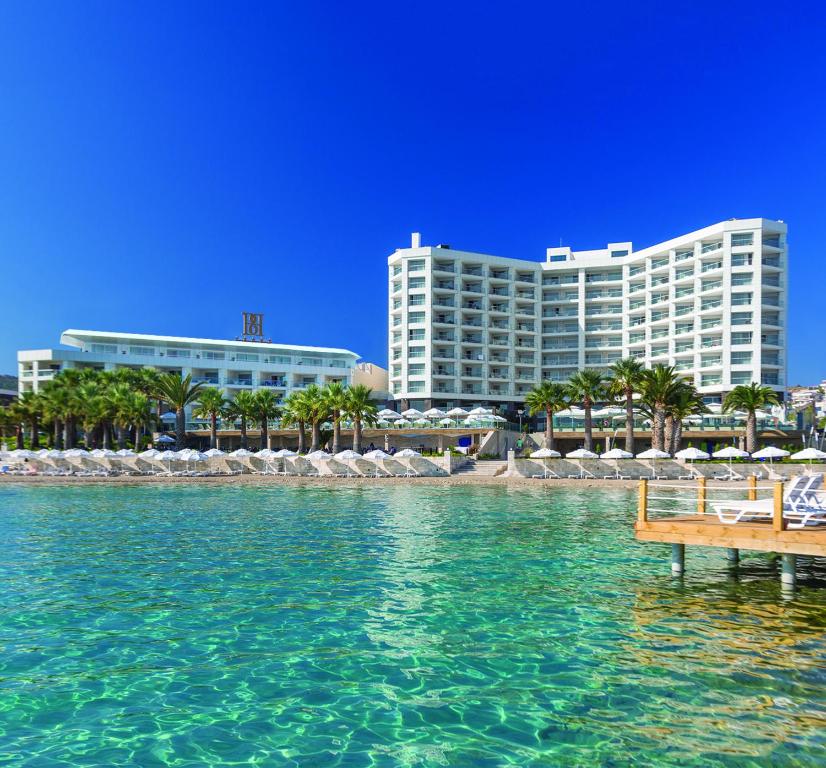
[{"x": 232, "y": 365}]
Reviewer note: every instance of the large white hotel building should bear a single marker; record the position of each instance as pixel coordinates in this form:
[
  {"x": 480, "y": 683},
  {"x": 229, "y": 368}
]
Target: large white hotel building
[{"x": 470, "y": 328}]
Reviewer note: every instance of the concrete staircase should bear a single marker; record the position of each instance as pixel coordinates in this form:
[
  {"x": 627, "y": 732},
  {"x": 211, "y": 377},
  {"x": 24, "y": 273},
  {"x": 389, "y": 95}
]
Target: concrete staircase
[{"x": 473, "y": 468}]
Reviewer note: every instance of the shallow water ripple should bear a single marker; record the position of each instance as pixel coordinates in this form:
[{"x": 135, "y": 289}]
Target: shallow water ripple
[{"x": 390, "y": 626}]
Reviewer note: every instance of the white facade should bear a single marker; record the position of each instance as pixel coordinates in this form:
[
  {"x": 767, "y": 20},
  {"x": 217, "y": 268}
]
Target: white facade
[
  {"x": 469, "y": 328},
  {"x": 230, "y": 365}
]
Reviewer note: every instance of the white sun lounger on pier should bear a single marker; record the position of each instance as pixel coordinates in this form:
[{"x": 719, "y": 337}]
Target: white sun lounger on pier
[{"x": 797, "y": 496}]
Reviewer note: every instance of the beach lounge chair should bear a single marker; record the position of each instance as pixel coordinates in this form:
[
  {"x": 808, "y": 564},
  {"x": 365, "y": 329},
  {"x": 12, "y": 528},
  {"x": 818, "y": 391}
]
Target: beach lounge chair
[{"x": 797, "y": 498}]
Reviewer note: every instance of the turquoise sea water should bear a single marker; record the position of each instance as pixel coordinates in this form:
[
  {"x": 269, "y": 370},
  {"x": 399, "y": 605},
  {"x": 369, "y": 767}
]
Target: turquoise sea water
[{"x": 390, "y": 626}]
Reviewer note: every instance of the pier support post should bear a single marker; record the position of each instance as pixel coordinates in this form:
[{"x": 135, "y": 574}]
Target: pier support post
[
  {"x": 788, "y": 574},
  {"x": 677, "y": 559},
  {"x": 733, "y": 556}
]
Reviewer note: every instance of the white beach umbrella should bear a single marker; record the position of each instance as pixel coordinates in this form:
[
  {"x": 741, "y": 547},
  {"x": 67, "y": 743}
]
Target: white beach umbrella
[
  {"x": 434, "y": 413},
  {"x": 653, "y": 454},
  {"x": 386, "y": 413},
  {"x": 730, "y": 453},
  {"x": 241, "y": 453},
  {"x": 264, "y": 453},
  {"x": 617, "y": 453},
  {"x": 42, "y": 453},
  {"x": 214, "y": 452},
  {"x": 102, "y": 453},
  {"x": 74, "y": 453},
  {"x": 412, "y": 413},
  {"x": 479, "y": 411},
  {"x": 809, "y": 454},
  {"x": 500, "y": 419},
  {"x": 284, "y": 453},
  {"x": 572, "y": 412},
  {"x": 691, "y": 454},
  {"x": 403, "y": 423},
  {"x": 407, "y": 453},
  {"x": 149, "y": 454},
  {"x": 770, "y": 452},
  {"x": 382, "y": 423},
  {"x": 126, "y": 452},
  {"x": 165, "y": 439},
  {"x": 376, "y": 456},
  {"x": 446, "y": 421},
  {"x": 545, "y": 453},
  {"x": 457, "y": 412},
  {"x": 319, "y": 455},
  {"x": 581, "y": 453},
  {"x": 422, "y": 422},
  {"x": 348, "y": 455},
  {"x": 23, "y": 453}
]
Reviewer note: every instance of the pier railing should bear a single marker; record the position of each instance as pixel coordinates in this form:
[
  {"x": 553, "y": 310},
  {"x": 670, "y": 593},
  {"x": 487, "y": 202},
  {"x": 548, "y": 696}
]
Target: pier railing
[{"x": 664, "y": 500}]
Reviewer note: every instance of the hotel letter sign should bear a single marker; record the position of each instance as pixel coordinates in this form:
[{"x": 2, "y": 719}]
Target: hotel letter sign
[{"x": 253, "y": 324}]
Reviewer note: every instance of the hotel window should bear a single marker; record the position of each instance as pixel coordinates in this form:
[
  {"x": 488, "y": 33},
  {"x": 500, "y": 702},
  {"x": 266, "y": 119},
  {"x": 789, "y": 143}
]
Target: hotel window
[
  {"x": 415, "y": 265},
  {"x": 415, "y": 335},
  {"x": 618, "y": 254},
  {"x": 397, "y": 303},
  {"x": 397, "y": 354},
  {"x": 683, "y": 255},
  {"x": 415, "y": 351},
  {"x": 415, "y": 282},
  {"x": 640, "y": 268},
  {"x": 173, "y": 352},
  {"x": 741, "y": 279},
  {"x": 415, "y": 369},
  {"x": 396, "y": 371},
  {"x": 741, "y": 358},
  {"x": 741, "y": 318},
  {"x": 741, "y": 377},
  {"x": 709, "y": 247},
  {"x": 559, "y": 257},
  {"x": 416, "y": 300},
  {"x": 142, "y": 351},
  {"x": 741, "y": 259},
  {"x": 397, "y": 336},
  {"x": 247, "y": 357},
  {"x": 772, "y": 240},
  {"x": 415, "y": 317},
  {"x": 107, "y": 349},
  {"x": 684, "y": 346},
  {"x": 635, "y": 338},
  {"x": 742, "y": 238},
  {"x": 740, "y": 299},
  {"x": 659, "y": 350},
  {"x": 397, "y": 286},
  {"x": 741, "y": 337},
  {"x": 397, "y": 321},
  {"x": 397, "y": 270},
  {"x": 210, "y": 355},
  {"x": 415, "y": 386},
  {"x": 684, "y": 327}
]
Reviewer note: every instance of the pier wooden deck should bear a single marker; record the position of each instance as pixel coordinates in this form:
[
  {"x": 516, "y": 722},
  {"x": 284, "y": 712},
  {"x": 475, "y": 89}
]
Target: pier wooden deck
[
  {"x": 760, "y": 536},
  {"x": 706, "y": 530}
]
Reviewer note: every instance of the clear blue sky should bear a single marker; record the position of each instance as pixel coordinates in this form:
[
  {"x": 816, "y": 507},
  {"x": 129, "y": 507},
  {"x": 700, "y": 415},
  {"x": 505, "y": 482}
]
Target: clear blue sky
[{"x": 163, "y": 169}]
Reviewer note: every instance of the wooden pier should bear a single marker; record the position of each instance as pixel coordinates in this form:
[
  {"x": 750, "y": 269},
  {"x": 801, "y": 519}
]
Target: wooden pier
[{"x": 680, "y": 526}]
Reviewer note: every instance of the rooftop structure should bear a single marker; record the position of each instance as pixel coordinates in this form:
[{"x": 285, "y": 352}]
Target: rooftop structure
[{"x": 474, "y": 329}]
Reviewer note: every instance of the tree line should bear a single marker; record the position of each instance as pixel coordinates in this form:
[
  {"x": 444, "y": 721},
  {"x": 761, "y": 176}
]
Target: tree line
[
  {"x": 660, "y": 393},
  {"x": 117, "y": 408}
]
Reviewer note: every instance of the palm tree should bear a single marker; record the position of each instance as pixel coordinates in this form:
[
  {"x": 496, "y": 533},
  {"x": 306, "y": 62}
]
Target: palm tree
[
  {"x": 266, "y": 407},
  {"x": 587, "y": 387},
  {"x": 685, "y": 401},
  {"x": 318, "y": 411},
  {"x": 625, "y": 379},
  {"x": 120, "y": 405},
  {"x": 178, "y": 393},
  {"x": 210, "y": 405},
  {"x": 750, "y": 398},
  {"x": 242, "y": 407},
  {"x": 296, "y": 411},
  {"x": 659, "y": 385},
  {"x": 335, "y": 397},
  {"x": 17, "y": 417},
  {"x": 140, "y": 415},
  {"x": 30, "y": 408},
  {"x": 360, "y": 410},
  {"x": 548, "y": 397}
]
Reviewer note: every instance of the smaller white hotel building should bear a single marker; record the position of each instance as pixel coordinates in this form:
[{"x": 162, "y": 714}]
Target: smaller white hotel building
[
  {"x": 474, "y": 329},
  {"x": 230, "y": 365}
]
